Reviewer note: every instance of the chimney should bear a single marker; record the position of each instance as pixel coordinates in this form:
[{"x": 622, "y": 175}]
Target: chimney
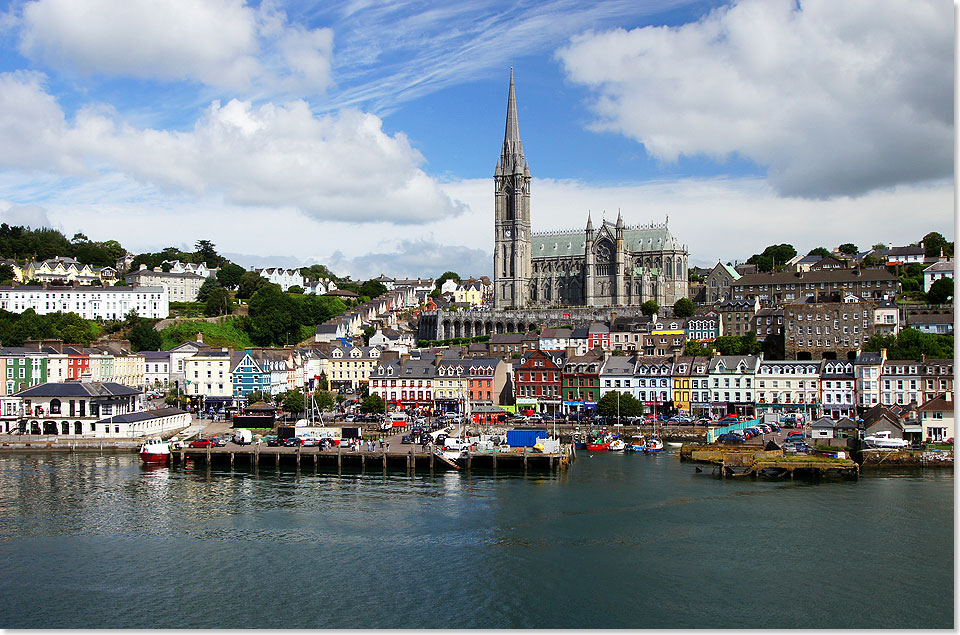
[
  {"x": 613, "y": 318},
  {"x": 200, "y": 337},
  {"x": 571, "y": 352},
  {"x": 438, "y": 356}
]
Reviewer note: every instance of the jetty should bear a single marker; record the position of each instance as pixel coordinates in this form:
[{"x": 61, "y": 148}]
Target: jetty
[
  {"x": 735, "y": 461},
  {"x": 410, "y": 460}
]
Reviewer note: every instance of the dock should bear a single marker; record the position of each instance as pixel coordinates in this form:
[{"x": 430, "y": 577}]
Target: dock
[
  {"x": 412, "y": 460},
  {"x": 736, "y": 461}
]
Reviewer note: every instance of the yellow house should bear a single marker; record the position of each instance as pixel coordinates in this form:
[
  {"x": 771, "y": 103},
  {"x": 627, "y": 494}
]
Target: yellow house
[
  {"x": 470, "y": 291},
  {"x": 350, "y": 366},
  {"x": 682, "y": 368}
]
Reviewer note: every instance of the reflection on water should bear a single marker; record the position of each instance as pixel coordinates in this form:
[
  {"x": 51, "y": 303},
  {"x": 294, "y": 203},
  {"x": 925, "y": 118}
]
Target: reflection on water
[{"x": 615, "y": 541}]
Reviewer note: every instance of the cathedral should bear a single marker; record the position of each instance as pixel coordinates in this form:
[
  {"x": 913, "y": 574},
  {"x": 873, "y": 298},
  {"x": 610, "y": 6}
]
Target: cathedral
[{"x": 612, "y": 265}]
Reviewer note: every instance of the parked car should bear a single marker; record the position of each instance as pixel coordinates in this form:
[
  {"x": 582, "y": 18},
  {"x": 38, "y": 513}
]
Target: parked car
[
  {"x": 292, "y": 442},
  {"x": 729, "y": 438},
  {"x": 727, "y": 420},
  {"x": 407, "y": 438},
  {"x": 219, "y": 441},
  {"x": 796, "y": 434},
  {"x": 273, "y": 441},
  {"x": 202, "y": 443}
]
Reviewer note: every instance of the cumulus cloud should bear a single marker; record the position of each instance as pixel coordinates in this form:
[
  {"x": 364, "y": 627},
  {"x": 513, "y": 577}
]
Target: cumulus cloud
[
  {"x": 833, "y": 98},
  {"x": 416, "y": 258},
  {"x": 32, "y": 216},
  {"x": 341, "y": 166},
  {"x": 222, "y": 43}
]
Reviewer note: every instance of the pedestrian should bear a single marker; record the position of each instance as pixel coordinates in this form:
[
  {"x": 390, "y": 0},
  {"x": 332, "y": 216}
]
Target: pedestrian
[{"x": 388, "y": 446}]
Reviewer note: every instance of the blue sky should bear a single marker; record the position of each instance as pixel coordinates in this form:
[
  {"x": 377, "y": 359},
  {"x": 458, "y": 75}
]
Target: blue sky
[{"x": 364, "y": 134}]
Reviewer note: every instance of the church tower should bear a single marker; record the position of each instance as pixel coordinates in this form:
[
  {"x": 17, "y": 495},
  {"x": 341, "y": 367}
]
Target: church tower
[{"x": 511, "y": 254}]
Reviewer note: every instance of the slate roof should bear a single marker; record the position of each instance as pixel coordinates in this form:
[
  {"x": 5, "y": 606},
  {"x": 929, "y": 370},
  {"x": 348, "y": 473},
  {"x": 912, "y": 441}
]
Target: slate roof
[
  {"x": 78, "y": 389},
  {"x": 938, "y": 403},
  {"x": 816, "y": 275},
  {"x": 618, "y": 365},
  {"x": 143, "y": 415},
  {"x": 868, "y": 358},
  {"x": 573, "y": 242},
  {"x": 939, "y": 266}
]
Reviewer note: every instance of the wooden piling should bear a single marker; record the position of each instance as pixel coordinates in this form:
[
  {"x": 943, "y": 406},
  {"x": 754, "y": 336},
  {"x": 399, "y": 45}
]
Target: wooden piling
[
  {"x": 494, "y": 458},
  {"x": 524, "y": 459},
  {"x": 339, "y": 457},
  {"x": 231, "y": 460},
  {"x": 298, "y": 457},
  {"x": 469, "y": 458},
  {"x": 384, "y": 452}
]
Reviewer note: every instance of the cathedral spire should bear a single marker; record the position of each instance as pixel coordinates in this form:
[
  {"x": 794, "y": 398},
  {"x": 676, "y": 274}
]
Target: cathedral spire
[
  {"x": 589, "y": 222},
  {"x": 512, "y": 155}
]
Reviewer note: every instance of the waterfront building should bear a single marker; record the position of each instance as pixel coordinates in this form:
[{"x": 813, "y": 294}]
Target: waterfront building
[
  {"x": 686, "y": 383},
  {"x": 700, "y": 387},
  {"x": 76, "y": 408},
  {"x": 178, "y": 354},
  {"x": 837, "y": 389},
  {"x": 937, "y": 418},
  {"x": 732, "y": 384},
  {"x": 581, "y": 381},
  {"x": 405, "y": 383},
  {"x": 246, "y": 375},
  {"x": 286, "y": 278},
  {"x": 617, "y": 375},
  {"x": 538, "y": 380},
  {"x": 90, "y": 303},
  {"x": 615, "y": 265},
  {"x": 208, "y": 375},
  {"x": 867, "y": 368},
  {"x": 789, "y": 386},
  {"x": 481, "y": 380},
  {"x": 654, "y": 383},
  {"x": 156, "y": 370},
  {"x": 181, "y": 287},
  {"x": 900, "y": 382},
  {"x": 350, "y": 366}
]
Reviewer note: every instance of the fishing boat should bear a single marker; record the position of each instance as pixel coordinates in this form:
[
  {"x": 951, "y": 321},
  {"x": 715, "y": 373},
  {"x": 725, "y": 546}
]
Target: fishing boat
[
  {"x": 154, "y": 450},
  {"x": 598, "y": 446},
  {"x": 654, "y": 444},
  {"x": 616, "y": 445},
  {"x": 635, "y": 444}
]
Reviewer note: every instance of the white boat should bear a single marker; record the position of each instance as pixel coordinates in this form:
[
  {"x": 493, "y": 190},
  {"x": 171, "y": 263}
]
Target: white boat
[
  {"x": 653, "y": 445},
  {"x": 617, "y": 445},
  {"x": 884, "y": 440},
  {"x": 674, "y": 444}
]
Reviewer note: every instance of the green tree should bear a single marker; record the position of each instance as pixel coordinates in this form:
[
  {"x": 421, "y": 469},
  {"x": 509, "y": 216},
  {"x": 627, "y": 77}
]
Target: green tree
[
  {"x": 940, "y": 291},
  {"x": 229, "y": 275},
  {"x": 696, "y": 349},
  {"x": 274, "y": 318},
  {"x": 878, "y": 246},
  {"x": 258, "y": 395},
  {"x": 206, "y": 288},
  {"x": 911, "y": 343},
  {"x": 324, "y": 400},
  {"x": 773, "y": 257},
  {"x": 372, "y": 288},
  {"x": 296, "y": 289},
  {"x": 251, "y": 282},
  {"x": 684, "y": 307},
  {"x": 649, "y": 307},
  {"x": 218, "y": 303},
  {"x": 819, "y": 251},
  {"x": 368, "y": 332},
  {"x": 143, "y": 337},
  {"x": 6, "y": 274},
  {"x": 628, "y": 405},
  {"x": 447, "y": 275},
  {"x": 371, "y": 403},
  {"x": 293, "y": 401},
  {"x": 206, "y": 251},
  {"x": 934, "y": 244},
  {"x": 848, "y": 249}
]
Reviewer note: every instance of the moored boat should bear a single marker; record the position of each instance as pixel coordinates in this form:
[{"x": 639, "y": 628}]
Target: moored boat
[
  {"x": 616, "y": 445},
  {"x": 154, "y": 451},
  {"x": 598, "y": 447},
  {"x": 653, "y": 445}
]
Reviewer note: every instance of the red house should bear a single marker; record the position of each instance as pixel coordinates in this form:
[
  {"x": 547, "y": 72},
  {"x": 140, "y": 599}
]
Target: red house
[{"x": 539, "y": 380}]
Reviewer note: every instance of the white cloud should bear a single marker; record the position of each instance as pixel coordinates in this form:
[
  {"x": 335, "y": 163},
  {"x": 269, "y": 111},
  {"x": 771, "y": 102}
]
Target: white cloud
[
  {"x": 833, "y": 98},
  {"x": 222, "y": 43},
  {"x": 341, "y": 166},
  {"x": 32, "y": 216}
]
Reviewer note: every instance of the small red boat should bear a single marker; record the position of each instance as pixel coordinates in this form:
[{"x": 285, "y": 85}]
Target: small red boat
[
  {"x": 154, "y": 451},
  {"x": 598, "y": 447}
]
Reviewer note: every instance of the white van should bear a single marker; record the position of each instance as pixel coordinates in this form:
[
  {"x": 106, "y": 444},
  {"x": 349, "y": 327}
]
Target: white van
[{"x": 242, "y": 436}]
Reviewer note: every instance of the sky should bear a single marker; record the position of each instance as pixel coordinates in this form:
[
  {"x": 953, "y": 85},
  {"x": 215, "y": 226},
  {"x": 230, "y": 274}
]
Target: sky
[{"x": 363, "y": 135}]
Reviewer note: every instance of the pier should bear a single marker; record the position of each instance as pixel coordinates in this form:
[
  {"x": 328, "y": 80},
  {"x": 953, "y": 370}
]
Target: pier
[
  {"x": 411, "y": 460},
  {"x": 736, "y": 461}
]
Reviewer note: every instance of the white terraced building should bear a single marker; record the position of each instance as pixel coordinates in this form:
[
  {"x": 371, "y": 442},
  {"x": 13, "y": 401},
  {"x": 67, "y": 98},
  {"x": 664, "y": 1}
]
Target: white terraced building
[{"x": 90, "y": 303}]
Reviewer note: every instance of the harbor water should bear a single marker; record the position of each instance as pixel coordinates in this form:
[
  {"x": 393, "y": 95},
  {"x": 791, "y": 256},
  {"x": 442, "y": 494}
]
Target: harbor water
[{"x": 615, "y": 541}]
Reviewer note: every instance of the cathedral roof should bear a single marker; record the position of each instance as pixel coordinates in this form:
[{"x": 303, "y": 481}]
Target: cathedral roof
[{"x": 653, "y": 237}]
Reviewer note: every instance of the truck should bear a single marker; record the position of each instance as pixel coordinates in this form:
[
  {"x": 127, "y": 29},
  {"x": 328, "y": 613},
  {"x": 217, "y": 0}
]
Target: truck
[{"x": 309, "y": 432}]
